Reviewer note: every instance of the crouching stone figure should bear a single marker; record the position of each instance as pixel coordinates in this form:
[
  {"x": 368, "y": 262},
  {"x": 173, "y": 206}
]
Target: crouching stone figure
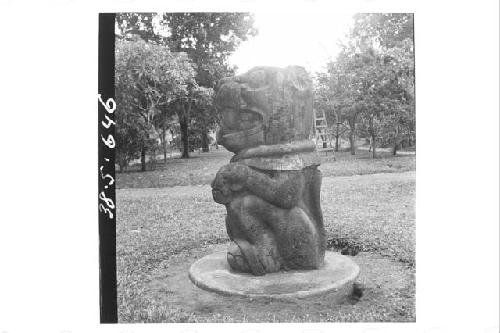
[{"x": 271, "y": 187}]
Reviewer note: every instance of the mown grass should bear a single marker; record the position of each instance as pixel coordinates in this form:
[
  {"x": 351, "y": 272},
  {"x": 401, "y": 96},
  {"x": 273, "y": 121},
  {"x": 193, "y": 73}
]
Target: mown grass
[
  {"x": 374, "y": 214},
  {"x": 201, "y": 168},
  {"x": 160, "y": 229}
]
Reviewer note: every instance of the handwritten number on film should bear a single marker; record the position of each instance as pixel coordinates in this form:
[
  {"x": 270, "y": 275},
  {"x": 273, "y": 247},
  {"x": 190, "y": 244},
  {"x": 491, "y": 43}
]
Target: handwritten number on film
[{"x": 108, "y": 205}]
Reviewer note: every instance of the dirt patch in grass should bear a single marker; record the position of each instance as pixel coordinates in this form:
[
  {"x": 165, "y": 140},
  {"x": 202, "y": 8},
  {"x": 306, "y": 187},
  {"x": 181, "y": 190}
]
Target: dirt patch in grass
[
  {"x": 169, "y": 296},
  {"x": 159, "y": 228}
]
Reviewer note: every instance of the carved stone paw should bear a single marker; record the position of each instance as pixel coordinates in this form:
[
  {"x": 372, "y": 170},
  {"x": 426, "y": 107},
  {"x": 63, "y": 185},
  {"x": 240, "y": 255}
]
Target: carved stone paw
[
  {"x": 236, "y": 259},
  {"x": 258, "y": 260}
]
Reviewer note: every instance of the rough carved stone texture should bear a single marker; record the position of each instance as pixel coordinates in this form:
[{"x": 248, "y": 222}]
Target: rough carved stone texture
[{"x": 271, "y": 187}]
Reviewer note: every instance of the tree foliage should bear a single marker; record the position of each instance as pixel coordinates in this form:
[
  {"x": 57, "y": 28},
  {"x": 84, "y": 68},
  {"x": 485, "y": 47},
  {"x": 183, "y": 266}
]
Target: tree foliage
[
  {"x": 148, "y": 78},
  {"x": 371, "y": 82},
  {"x": 207, "y": 39}
]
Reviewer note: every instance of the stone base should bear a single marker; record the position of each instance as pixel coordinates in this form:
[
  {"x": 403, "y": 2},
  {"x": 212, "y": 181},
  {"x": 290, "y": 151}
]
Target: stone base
[{"x": 336, "y": 277}]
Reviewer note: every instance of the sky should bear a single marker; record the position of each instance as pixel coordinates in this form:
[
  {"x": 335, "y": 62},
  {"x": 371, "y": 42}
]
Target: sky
[{"x": 307, "y": 39}]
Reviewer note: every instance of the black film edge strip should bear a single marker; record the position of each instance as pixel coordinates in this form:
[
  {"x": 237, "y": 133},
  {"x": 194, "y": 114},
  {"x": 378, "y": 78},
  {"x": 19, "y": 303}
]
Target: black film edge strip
[{"x": 106, "y": 172}]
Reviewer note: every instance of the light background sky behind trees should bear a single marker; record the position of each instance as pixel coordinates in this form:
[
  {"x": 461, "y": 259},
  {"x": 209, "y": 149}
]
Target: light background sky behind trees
[{"x": 307, "y": 39}]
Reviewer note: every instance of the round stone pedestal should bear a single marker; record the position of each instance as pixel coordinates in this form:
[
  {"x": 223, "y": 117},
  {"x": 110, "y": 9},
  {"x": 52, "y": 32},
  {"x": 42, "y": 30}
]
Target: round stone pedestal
[{"x": 335, "y": 278}]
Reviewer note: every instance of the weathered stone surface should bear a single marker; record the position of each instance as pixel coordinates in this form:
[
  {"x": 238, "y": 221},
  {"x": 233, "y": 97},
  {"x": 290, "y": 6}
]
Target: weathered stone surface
[
  {"x": 271, "y": 187},
  {"x": 336, "y": 276},
  {"x": 266, "y": 105}
]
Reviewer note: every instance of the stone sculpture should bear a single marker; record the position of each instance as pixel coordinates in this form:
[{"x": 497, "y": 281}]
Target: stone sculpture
[{"x": 271, "y": 187}]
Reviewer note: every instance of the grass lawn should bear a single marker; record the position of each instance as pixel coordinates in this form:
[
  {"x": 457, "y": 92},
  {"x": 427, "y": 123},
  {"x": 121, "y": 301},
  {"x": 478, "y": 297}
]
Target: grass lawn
[
  {"x": 162, "y": 231},
  {"x": 202, "y": 167}
]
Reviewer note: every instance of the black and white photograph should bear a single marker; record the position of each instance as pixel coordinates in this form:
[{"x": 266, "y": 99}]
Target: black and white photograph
[
  {"x": 265, "y": 170},
  {"x": 250, "y": 166}
]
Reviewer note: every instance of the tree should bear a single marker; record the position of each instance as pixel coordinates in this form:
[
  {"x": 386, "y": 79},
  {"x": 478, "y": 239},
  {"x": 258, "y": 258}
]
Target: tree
[
  {"x": 352, "y": 113},
  {"x": 205, "y": 116},
  {"x": 194, "y": 109},
  {"x": 372, "y": 78},
  {"x": 341, "y": 95},
  {"x": 147, "y": 26},
  {"x": 148, "y": 78},
  {"x": 208, "y": 39},
  {"x": 325, "y": 98},
  {"x": 386, "y": 42},
  {"x": 164, "y": 122},
  {"x": 388, "y": 30},
  {"x": 127, "y": 136}
]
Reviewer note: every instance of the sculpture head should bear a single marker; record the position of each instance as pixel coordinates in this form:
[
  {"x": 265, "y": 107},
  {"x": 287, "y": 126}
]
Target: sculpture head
[{"x": 266, "y": 105}]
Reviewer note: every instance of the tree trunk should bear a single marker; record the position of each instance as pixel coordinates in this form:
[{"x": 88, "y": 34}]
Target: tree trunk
[
  {"x": 351, "y": 142},
  {"x": 352, "y": 125},
  {"x": 143, "y": 158},
  {"x": 165, "y": 151},
  {"x": 337, "y": 138},
  {"x": 163, "y": 139},
  {"x": 183, "y": 122},
  {"x": 396, "y": 141},
  {"x": 204, "y": 141},
  {"x": 374, "y": 145}
]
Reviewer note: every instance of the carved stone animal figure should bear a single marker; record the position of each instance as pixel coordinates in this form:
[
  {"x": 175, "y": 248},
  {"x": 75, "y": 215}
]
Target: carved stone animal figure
[{"x": 271, "y": 187}]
